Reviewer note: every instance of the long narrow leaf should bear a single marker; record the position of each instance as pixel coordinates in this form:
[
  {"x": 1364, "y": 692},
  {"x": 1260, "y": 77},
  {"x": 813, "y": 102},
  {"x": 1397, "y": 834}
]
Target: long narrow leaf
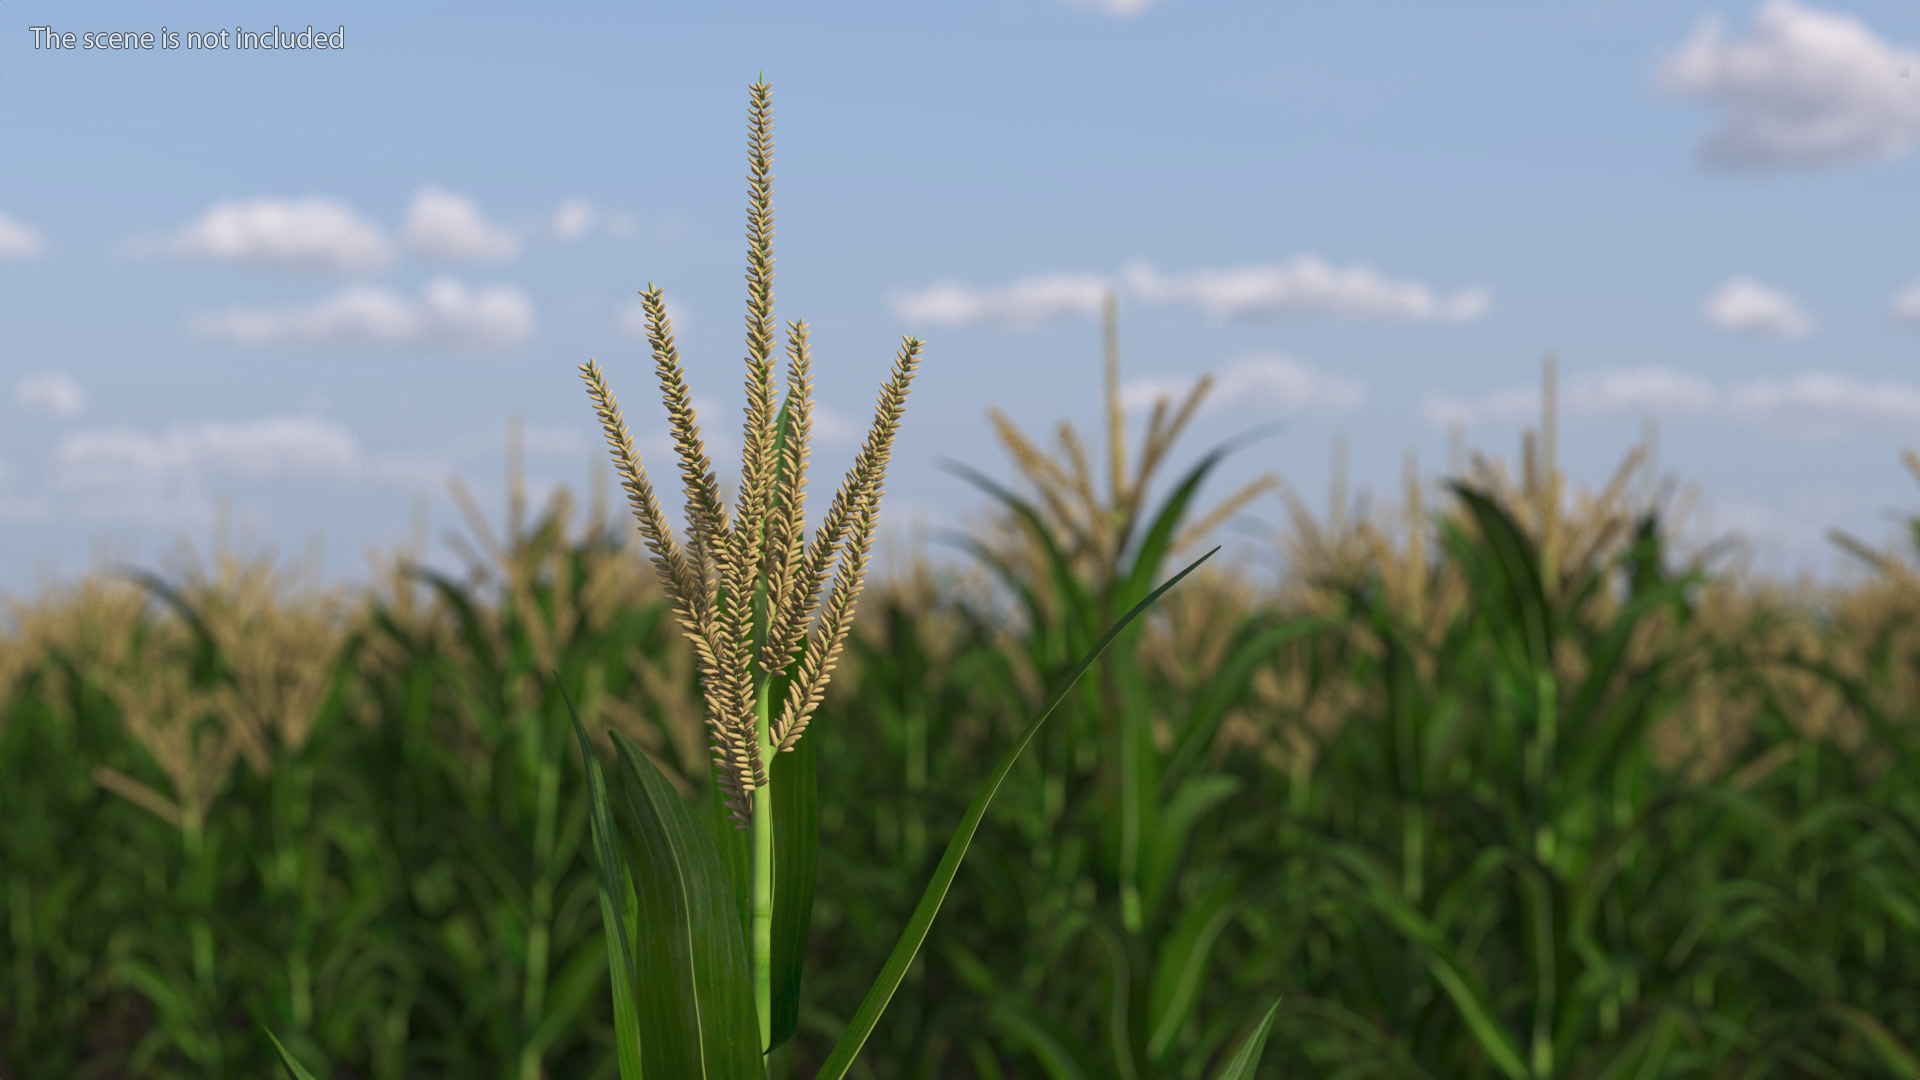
[
  {"x": 1518, "y": 568},
  {"x": 695, "y": 999},
  {"x": 1248, "y": 1059},
  {"x": 1160, "y": 534},
  {"x": 616, "y": 908},
  {"x": 796, "y": 861},
  {"x": 293, "y": 1067},
  {"x": 1468, "y": 993},
  {"x": 868, "y": 1015},
  {"x": 1893, "y": 1053},
  {"x": 1182, "y": 966},
  {"x": 1067, "y": 585}
]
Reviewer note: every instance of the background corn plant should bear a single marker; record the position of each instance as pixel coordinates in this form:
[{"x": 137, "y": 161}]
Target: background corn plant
[
  {"x": 377, "y": 879},
  {"x": 1502, "y": 789}
]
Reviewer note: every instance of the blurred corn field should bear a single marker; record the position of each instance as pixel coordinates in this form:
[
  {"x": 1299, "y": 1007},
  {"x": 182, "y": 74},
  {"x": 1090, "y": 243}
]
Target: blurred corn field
[{"x": 1496, "y": 783}]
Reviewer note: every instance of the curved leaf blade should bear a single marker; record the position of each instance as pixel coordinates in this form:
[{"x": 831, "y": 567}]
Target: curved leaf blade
[
  {"x": 617, "y": 904},
  {"x": 1248, "y": 1059},
  {"x": 796, "y": 863},
  {"x": 868, "y": 1015},
  {"x": 293, "y": 1067},
  {"x": 694, "y": 996}
]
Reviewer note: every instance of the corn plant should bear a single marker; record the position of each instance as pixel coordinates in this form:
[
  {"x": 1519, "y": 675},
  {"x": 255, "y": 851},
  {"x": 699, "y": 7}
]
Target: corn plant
[
  {"x": 1131, "y": 804},
  {"x": 706, "y": 922}
]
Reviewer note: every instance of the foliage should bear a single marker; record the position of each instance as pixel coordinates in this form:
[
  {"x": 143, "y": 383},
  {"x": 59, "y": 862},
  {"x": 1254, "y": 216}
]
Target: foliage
[{"x": 1506, "y": 789}]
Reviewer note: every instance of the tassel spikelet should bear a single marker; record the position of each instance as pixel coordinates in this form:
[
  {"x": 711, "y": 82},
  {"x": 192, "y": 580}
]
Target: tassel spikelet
[
  {"x": 784, "y": 559},
  {"x": 858, "y": 497},
  {"x": 745, "y": 593},
  {"x": 1098, "y": 530}
]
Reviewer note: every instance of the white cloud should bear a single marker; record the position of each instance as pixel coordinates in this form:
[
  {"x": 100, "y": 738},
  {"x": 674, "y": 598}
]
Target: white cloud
[
  {"x": 1262, "y": 383},
  {"x": 282, "y": 446},
  {"x": 1827, "y": 405},
  {"x": 127, "y": 473},
  {"x": 1304, "y": 286},
  {"x": 1509, "y": 405},
  {"x": 308, "y": 234},
  {"x": 1620, "y": 392},
  {"x": 1118, "y": 9},
  {"x": 573, "y": 218},
  {"x": 448, "y": 315},
  {"x": 50, "y": 393},
  {"x": 446, "y": 227},
  {"x": 1635, "y": 391},
  {"x": 1814, "y": 405},
  {"x": 1021, "y": 305},
  {"x": 1906, "y": 305},
  {"x": 1806, "y": 88},
  {"x": 1745, "y": 306},
  {"x": 18, "y": 240}
]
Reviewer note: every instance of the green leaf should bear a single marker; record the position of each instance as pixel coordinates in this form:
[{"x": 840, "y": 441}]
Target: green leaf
[
  {"x": 736, "y": 853},
  {"x": 1468, "y": 993},
  {"x": 1253, "y": 643},
  {"x": 1248, "y": 1059},
  {"x": 293, "y": 1067},
  {"x": 1067, "y": 585},
  {"x": 1182, "y": 966},
  {"x": 1160, "y": 534},
  {"x": 1176, "y": 819},
  {"x": 868, "y": 1015},
  {"x": 1044, "y": 1039},
  {"x": 796, "y": 861},
  {"x": 683, "y": 1003},
  {"x": 1893, "y": 1053},
  {"x": 617, "y": 904},
  {"x": 1517, "y": 572},
  {"x": 1154, "y": 547},
  {"x": 694, "y": 996}
]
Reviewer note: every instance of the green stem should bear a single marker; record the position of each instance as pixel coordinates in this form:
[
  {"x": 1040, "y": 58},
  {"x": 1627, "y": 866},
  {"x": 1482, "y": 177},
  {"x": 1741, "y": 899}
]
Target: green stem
[{"x": 762, "y": 945}]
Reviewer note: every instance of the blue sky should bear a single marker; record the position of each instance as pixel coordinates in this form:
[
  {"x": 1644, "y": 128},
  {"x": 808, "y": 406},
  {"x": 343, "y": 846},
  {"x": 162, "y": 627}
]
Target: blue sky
[{"x": 311, "y": 285}]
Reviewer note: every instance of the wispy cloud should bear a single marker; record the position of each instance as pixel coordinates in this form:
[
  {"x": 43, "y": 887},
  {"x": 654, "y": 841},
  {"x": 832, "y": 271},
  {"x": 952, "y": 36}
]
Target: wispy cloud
[
  {"x": 1826, "y": 405},
  {"x": 50, "y": 393},
  {"x": 272, "y": 447},
  {"x": 448, "y": 315},
  {"x": 18, "y": 240},
  {"x": 1021, "y": 305},
  {"x": 445, "y": 227},
  {"x": 1263, "y": 383},
  {"x": 1906, "y": 305},
  {"x": 1634, "y": 392},
  {"x": 164, "y": 476},
  {"x": 573, "y": 218},
  {"x": 308, "y": 234},
  {"x": 1813, "y": 405},
  {"x": 1806, "y": 88},
  {"x": 1745, "y": 306},
  {"x": 1304, "y": 286},
  {"x": 1115, "y": 9}
]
